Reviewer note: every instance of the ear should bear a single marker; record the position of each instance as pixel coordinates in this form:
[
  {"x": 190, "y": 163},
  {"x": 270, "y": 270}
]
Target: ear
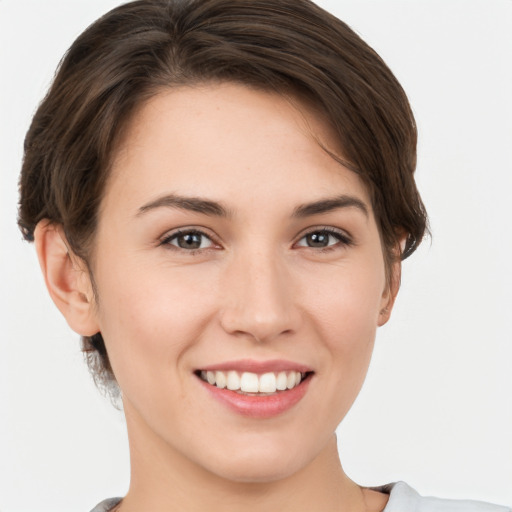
[
  {"x": 391, "y": 290},
  {"x": 67, "y": 278}
]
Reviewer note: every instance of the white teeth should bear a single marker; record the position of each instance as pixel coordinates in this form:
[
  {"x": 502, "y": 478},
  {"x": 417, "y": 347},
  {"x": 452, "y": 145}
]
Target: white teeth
[
  {"x": 233, "y": 381},
  {"x": 267, "y": 383},
  {"x": 250, "y": 382},
  {"x": 220, "y": 380},
  {"x": 281, "y": 381}
]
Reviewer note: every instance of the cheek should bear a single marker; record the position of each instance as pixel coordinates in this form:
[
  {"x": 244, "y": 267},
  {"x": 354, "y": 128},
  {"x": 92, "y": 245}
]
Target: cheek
[
  {"x": 347, "y": 314},
  {"x": 348, "y": 303},
  {"x": 148, "y": 316}
]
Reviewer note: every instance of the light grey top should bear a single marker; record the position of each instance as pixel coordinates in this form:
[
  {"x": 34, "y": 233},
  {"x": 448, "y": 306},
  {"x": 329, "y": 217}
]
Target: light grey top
[
  {"x": 402, "y": 498},
  {"x": 106, "y": 505}
]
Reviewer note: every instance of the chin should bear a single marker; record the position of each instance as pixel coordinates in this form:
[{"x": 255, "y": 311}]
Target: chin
[
  {"x": 259, "y": 465},
  {"x": 254, "y": 472}
]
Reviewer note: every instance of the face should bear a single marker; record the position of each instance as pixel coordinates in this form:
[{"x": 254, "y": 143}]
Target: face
[{"x": 233, "y": 249}]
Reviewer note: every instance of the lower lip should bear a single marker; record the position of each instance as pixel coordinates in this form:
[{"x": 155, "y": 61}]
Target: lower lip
[{"x": 254, "y": 406}]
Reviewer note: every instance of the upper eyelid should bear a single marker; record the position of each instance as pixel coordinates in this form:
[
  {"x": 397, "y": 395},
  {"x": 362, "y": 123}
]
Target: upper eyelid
[
  {"x": 174, "y": 233},
  {"x": 187, "y": 229},
  {"x": 330, "y": 229}
]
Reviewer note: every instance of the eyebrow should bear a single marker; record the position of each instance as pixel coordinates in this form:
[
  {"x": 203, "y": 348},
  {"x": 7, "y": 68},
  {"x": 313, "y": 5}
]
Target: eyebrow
[
  {"x": 194, "y": 204},
  {"x": 330, "y": 204},
  {"x": 216, "y": 209}
]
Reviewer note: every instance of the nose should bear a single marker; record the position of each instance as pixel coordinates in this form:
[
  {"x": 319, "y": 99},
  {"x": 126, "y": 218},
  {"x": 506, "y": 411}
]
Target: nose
[{"x": 259, "y": 301}]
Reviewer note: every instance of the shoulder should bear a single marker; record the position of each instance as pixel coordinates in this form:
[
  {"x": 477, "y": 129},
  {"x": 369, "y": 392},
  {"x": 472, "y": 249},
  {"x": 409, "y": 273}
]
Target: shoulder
[
  {"x": 402, "y": 497},
  {"x": 106, "y": 505}
]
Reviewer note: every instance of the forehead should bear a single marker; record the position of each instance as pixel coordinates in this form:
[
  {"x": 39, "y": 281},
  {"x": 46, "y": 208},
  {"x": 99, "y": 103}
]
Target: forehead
[{"x": 226, "y": 140}]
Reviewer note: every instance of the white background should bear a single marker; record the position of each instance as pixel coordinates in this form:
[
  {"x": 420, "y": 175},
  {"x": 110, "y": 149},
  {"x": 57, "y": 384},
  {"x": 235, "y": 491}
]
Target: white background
[{"x": 436, "y": 409}]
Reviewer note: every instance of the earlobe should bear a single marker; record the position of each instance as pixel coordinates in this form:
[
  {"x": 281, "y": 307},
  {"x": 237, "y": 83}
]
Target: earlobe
[
  {"x": 66, "y": 278},
  {"x": 390, "y": 293}
]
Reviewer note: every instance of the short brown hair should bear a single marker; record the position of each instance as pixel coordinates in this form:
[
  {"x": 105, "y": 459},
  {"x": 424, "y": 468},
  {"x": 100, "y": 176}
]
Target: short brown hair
[{"x": 139, "y": 48}]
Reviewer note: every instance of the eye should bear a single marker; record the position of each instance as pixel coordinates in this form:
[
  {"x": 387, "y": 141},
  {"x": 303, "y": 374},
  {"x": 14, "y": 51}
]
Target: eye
[
  {"x": 190, "y": 240},
  {"x": 323, "y": 239}
]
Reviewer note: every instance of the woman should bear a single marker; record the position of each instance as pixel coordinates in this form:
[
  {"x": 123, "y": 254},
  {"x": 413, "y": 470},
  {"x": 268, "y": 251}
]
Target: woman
[{"x": 220, "y": 194}]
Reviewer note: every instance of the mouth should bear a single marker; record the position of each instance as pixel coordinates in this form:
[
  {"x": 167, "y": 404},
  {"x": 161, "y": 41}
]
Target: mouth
[
  {"x": 254, "y": 384},
  {"x": 256, "y": 389}
]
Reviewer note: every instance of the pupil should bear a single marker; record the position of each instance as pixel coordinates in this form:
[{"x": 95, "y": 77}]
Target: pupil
[
  {"x": 318, "y": 239},
  {"x": 190, "y": 241}
]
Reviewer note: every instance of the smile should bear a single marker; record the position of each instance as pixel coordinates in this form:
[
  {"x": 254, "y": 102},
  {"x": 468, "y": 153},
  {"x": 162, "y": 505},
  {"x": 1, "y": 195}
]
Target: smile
[
  {"x": 256, "y": 389},
  {"x": 253, "y": 383}
]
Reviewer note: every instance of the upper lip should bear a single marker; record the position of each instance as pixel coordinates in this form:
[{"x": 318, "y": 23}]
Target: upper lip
[{"x": 254, "y": 366}]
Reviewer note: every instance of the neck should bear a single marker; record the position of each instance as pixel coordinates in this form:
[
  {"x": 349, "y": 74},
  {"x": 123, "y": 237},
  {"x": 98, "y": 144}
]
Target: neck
[{"x": 163, "y": 479}]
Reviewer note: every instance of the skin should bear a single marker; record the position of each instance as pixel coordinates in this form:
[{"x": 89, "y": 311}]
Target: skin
[{"x": 254, "y": 290}]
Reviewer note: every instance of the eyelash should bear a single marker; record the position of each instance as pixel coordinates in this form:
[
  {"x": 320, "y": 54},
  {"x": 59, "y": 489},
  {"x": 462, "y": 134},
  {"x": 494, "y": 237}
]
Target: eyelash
[
  {"x": 167, "y": 240},
  {"x": 343, "y": 239}
]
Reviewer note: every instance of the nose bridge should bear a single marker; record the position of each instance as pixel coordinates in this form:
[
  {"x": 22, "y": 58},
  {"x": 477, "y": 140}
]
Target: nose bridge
[{"x": 259, "y": 300}]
